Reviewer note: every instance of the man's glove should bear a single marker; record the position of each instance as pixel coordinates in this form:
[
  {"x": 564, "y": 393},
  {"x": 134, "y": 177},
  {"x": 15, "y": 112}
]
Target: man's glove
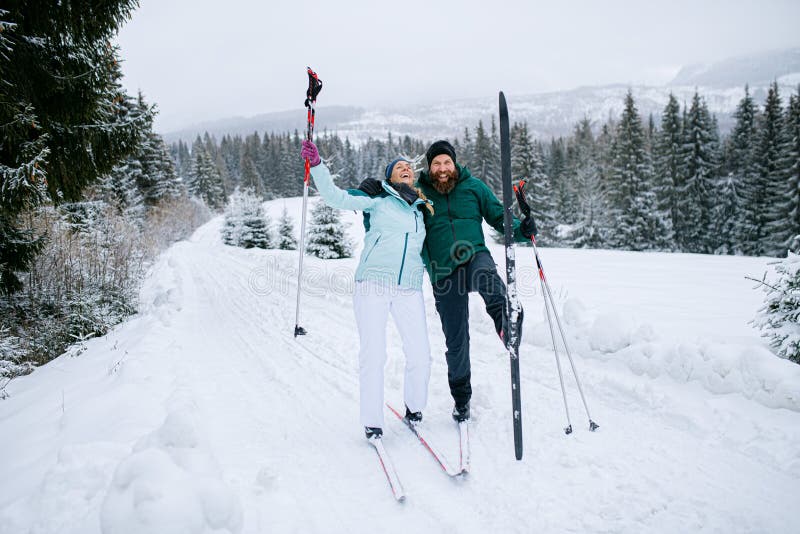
[
  {"x": 310, "y": 153},
  {"x": 371, "y": 186},
  {"x": 528, "y": 225}
]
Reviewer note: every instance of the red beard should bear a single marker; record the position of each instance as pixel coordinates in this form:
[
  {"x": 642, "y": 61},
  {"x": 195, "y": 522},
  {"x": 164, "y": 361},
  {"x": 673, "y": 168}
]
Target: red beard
[{"x": 446, "y": 186}]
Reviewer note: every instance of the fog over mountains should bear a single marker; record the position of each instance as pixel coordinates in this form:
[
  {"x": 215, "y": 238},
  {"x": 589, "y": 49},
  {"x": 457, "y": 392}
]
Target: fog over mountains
[{"x": 547, "y": 114}]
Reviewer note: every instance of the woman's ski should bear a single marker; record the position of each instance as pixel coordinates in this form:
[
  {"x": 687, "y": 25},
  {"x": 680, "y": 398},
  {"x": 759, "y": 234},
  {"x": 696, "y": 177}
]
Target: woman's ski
[
  {"x": 388, "y": 468},
  {"x": 435, "y": 452}
]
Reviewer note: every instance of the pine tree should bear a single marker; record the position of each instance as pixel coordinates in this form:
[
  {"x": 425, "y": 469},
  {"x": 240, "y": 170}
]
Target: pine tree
[
  {"x": 250, "y": 177},
  {"x": 158, "y": 180},
  {"x": 255, "y": 222},
  {"x": 291, "y": 165},
  {"x": 230, "y": 160},
  {"x": 782, "y": 225},
  {"x": 183, "y": 160},
  {"x": 556, "y": 172},
  {"x": 527, "y": 163},
  {"x": 742, "y": 180},
  {"x": 205, "y": 180},
  {"x": 326, "y": 234},
  {"x": 120, "y": 190},
  {"x": 169, "y": 184},
  {"x": 636, "y": 223},
  {"x": 590, "y": 226},
  {"x": 246, "y": 224},
  {"x": 486, "y": 157},
  {"x": 270, "y": 167},
  {"x": 779, "y": 319},
  {"x": 700, "y": 166},
  {"x": 772, "y": 161},
  {"x": 348, "y": 168},
  {"x": 724, "y": 213},
  {"x": 233, "y": 225},
  {"x": 793, "y": 160},
  {"x": 286, "y": 239},
  {"x": 667, "y": 162},
  {"x": 467, "y": 149},
  {"x": 61, "y": 129}
]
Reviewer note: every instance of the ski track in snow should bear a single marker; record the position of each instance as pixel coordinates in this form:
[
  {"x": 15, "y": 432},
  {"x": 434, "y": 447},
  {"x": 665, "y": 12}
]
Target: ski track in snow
[{"x": 204, "y": 414}]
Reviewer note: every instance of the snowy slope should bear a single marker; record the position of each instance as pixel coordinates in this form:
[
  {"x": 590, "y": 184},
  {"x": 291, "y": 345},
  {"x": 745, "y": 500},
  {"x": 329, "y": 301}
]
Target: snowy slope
[{"x": 203, "y": 414}]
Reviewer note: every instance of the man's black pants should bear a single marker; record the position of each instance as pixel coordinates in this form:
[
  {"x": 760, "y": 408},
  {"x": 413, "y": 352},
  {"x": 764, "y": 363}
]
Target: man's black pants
[{"x": 452, "y": 302}]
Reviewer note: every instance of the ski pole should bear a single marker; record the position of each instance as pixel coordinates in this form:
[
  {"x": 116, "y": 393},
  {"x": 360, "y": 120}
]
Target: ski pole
[
  {"x": 314, "y": 87},
  {"x": 592, "y": 425},
  {"x": 547, "y": 295},
  {"x": 568, "y": 429}
]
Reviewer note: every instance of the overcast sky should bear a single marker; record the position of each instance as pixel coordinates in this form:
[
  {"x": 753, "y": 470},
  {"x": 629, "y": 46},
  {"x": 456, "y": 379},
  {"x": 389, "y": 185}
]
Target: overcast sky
[{"x": 204, "y": 59}]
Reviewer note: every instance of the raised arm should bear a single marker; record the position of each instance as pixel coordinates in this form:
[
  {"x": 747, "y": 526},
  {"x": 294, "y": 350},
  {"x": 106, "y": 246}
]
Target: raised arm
[{"x": 350, "y": 199}]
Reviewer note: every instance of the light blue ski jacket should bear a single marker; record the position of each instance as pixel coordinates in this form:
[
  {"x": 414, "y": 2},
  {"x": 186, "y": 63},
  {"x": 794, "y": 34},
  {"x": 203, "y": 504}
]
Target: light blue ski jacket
[{"x": 395, "y": 231}]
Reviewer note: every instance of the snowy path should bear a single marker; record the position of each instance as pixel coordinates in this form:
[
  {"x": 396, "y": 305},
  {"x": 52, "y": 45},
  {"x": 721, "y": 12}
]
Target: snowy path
[{"x": 204, "y": 413}]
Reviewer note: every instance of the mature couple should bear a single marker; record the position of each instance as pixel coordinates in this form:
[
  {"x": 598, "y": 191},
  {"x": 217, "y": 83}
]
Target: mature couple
[{"x": 432, "y": 223}]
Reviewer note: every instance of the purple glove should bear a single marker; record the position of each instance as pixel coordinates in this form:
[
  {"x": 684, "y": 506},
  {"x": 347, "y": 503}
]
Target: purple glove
[{"x": 310, "y": 153}]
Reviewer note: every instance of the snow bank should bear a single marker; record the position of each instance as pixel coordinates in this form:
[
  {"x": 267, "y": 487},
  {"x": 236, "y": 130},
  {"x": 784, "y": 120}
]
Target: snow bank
[
  {"x": 721, "y": 368},
  {"x": 170, "y": 484}
]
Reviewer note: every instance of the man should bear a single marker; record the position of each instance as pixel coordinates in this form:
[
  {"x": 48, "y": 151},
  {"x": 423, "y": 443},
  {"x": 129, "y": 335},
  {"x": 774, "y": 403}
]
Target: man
[{"x": 457, "y": 259}]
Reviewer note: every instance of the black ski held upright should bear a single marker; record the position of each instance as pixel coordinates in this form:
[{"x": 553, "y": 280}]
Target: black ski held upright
[{"x": 510, "y": 326}]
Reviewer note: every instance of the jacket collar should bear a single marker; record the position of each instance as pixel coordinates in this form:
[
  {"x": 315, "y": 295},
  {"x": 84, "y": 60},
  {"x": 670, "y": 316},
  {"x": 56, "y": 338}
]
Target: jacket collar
[{"x": 391, "y": 190}]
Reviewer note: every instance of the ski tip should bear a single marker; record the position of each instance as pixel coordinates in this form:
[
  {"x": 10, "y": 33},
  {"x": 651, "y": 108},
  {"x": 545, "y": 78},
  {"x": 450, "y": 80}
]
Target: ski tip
[{"x": 502, "y": 99}]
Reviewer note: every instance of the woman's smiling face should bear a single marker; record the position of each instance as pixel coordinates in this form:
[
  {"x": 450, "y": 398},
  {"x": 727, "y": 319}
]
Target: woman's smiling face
[{"x": 403, "y": 173}]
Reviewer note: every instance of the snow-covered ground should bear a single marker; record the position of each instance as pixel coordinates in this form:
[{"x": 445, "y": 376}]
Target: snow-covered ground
[{"x": 203, "y": 413}]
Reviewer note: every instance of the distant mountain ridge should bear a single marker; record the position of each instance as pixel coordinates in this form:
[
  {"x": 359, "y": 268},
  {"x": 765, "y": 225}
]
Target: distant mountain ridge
[
  {"x": 547, "y": 114},
  {"x": 756, "y": 70}
]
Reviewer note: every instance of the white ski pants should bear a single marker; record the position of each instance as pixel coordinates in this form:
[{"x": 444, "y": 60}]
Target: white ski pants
[{"x": 373, "y": 303}]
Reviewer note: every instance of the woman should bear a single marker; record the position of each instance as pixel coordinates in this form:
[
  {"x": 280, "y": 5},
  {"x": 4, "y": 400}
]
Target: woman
[{"x": 388, "y": 280}]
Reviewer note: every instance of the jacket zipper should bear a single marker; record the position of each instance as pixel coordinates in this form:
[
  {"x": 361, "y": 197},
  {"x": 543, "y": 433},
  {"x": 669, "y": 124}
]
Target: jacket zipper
[
  {"x": 405, "y": 246},
  {"x": 450, "y": 215},
  {"x": 403, "y": 261}
]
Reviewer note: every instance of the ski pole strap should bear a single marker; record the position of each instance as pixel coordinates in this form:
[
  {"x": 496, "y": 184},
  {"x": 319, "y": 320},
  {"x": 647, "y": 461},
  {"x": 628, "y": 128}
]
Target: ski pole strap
[
  {"x": 519, "y": 192},
  {"x": 314, "y": 87}
]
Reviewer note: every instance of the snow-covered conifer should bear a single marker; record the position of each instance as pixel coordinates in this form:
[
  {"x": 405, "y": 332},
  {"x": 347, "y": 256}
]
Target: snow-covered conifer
[
  {"x": 326, "y": 235},
  {"x": 636, "y": 224},
  {"x": 286, "y": 239},
  {"x": 779, "y": 319},
  {"x": 246, "y": 224}
]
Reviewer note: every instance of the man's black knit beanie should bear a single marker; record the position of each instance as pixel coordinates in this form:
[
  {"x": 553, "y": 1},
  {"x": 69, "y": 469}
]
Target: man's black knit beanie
[{"x": 438, "y": 148}]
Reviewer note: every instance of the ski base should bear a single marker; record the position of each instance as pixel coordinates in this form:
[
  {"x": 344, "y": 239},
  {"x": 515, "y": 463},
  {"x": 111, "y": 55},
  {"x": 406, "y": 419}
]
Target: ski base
[
  {"x": 388, "y": 469},
  {"x": 513, "y": 308},
  {"x": 435, "y": 452}
]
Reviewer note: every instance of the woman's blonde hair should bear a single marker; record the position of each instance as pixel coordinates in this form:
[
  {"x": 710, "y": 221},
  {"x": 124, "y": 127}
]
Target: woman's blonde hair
[{"x": 428, "y": 205}]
